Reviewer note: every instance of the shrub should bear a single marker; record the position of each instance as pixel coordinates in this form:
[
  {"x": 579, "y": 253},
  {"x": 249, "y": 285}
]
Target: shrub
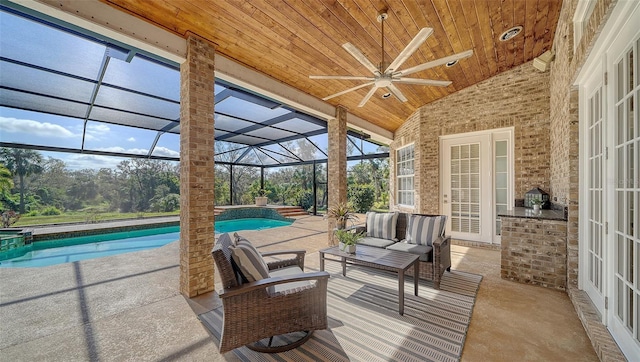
[
  {"x": 50, "y": 211},
  {"x": 306, "y": 199},
  {"x": 362, "y": 197}
]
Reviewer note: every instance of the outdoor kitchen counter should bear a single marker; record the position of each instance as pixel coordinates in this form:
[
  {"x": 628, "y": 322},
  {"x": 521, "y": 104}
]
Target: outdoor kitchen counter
[{"x": 534, "y": 247}]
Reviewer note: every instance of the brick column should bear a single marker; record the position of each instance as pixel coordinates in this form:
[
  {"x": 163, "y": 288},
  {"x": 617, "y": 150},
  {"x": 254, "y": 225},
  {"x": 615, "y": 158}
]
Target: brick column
[
  {"x": 337, "y": 164},
  {"x": 196, "y": 168}
]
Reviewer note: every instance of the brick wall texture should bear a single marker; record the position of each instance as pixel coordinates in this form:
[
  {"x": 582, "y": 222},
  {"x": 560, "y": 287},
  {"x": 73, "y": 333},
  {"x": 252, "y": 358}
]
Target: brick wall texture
[
  {"x": 518, "y": 98},
  {"x": 564, "y": 116},
  {"x": 536, "y": 252},
  {"x": 337, "y": 165},
  {"x": 197, "y": 197}
]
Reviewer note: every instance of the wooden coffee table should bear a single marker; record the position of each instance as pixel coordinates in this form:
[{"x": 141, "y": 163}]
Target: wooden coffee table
[{"x": 377, "y": 258}]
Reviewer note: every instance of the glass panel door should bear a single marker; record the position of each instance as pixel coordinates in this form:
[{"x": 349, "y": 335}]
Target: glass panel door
[
  {"x": 626, "y": 287},
  {"x": 595, "y": 228},
  {"x": 467, "y": 187}
]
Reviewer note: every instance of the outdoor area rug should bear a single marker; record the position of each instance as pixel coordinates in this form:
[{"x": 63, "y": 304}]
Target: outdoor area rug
[{"x": 364, "y": 324}]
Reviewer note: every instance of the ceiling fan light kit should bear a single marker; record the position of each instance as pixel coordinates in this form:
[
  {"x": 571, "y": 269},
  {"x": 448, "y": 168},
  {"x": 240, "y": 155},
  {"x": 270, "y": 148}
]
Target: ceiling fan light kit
[
  {"x": 387, "y": 75},
  {"x": 510, "y": 33}
]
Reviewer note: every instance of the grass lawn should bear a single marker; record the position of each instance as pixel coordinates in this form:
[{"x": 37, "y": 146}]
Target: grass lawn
[{"x": 87, "y": 217}]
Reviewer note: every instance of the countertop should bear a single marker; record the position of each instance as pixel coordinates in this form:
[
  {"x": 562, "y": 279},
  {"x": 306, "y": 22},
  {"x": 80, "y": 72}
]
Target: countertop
[{"x": 522, "y": 212}]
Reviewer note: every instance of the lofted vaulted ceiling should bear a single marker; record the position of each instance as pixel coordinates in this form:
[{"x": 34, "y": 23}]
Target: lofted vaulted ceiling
[{"x": 292, "y": 39}]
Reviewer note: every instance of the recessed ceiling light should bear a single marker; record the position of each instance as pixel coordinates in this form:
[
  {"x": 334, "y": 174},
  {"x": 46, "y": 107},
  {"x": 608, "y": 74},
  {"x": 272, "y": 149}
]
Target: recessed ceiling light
[
  {"x": 452, "y": 63},
  {"x": 510, "y": 33},
  {"x": 386, "y": 95}
]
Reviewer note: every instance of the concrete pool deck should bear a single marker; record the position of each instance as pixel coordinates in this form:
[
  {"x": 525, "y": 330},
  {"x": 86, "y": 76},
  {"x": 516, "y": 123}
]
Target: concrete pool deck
[{"x": 128, "y": 308}]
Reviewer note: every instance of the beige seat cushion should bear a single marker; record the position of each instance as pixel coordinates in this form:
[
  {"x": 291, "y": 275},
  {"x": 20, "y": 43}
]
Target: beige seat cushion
[
  {"x": 377, "y": 242},
  {"x": 424, "y": 251},
  {"x": 288, "y": 287}
]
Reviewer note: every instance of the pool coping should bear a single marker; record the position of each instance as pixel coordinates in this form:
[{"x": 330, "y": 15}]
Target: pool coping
[{"x": 52, "y": 232}]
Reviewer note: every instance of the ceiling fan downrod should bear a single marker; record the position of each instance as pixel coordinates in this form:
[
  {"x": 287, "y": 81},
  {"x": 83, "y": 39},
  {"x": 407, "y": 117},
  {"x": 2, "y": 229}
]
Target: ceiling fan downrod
[{"x": 381, "y": 18}]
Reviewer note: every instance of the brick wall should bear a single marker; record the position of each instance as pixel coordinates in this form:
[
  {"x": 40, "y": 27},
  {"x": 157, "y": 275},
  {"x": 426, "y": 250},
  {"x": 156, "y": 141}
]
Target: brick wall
[
  {"x": 336, "y": 165},
  {"x": 534, "y": 252},
  {"x": 197, "y": 196},
  {"x": 517, "y": 98},
  {"x": 564, "y": 129}
]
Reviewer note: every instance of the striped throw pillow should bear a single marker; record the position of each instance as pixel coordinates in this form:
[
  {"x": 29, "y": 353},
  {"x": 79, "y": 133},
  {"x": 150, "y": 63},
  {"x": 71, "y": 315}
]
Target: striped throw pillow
[
  {"x": 423, "y": 230},
  {"x": 382, "y": 225},
  {"x": 250, "y": 262}
]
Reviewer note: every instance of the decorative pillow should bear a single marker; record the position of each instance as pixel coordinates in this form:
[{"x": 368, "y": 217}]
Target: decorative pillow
[
  {"x": 250, "y": 262},
  {"x": 382, "y": 225},
  {"x": 423, "y": 230},
  {"x": 240, "y": 239}
]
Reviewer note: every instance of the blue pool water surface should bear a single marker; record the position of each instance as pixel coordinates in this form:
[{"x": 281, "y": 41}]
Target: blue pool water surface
[{"x": 58, "y": 251}]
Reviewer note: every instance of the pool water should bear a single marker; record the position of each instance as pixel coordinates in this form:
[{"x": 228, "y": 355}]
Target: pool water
[
  {"x": 228, "y": 226},
  {"x": 58, "y": 251}
]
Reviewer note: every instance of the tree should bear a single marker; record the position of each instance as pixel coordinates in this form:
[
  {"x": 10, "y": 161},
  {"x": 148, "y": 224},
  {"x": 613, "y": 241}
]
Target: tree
[
  {"x": 6, "y": 184},
  {"x": 6, "y": 180},
  {"x": 22, "y": 163}
]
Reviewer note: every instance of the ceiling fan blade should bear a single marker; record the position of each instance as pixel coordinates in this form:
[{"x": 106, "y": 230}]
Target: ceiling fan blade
[
  {"x": 396, "y": 92},
  {"x": 356, "y": 53},
  {"x": 343, "y": 77},
  {"x": 437, "y": 83},
  {"x": 415, "y": 43},
  {"x": 434, "y": 63},
  {"x": 347, "y": 91},
  {"x": 366, "y": 98}
]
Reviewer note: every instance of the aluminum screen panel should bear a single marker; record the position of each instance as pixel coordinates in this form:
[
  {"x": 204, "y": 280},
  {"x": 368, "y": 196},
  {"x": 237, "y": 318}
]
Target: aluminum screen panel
[
  {"x": 144, "y": 76},
  {"x": 38, "y": 44},
  {"x": 45, "y": 83}
]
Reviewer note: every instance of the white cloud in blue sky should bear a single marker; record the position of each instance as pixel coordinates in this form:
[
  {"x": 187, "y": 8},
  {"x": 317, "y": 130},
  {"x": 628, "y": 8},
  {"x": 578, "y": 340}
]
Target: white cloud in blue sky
[{"x": 44, "y": 129}]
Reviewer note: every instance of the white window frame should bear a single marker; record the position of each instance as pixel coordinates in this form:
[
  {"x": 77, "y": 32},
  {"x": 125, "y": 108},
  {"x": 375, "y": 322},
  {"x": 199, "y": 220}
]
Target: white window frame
[{"x": 401, "y": 201}]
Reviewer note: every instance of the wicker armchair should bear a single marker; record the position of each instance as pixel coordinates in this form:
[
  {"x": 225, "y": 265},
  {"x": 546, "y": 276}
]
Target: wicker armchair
[
  {"x": 253, "y": 311},
  {"x": 439, "y": 260}
]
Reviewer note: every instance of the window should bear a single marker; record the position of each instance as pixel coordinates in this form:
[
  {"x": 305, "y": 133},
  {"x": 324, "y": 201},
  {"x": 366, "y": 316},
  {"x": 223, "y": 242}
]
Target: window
[{"x": 404, "y": 175}]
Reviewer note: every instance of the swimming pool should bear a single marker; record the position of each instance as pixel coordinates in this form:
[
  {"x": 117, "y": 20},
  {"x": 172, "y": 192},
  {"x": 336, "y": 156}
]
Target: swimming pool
[{"x": 45, "y": 253}]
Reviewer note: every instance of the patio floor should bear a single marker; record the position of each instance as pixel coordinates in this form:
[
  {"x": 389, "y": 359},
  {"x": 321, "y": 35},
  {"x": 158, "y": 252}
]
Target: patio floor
[{"x": 127, "y": 307}]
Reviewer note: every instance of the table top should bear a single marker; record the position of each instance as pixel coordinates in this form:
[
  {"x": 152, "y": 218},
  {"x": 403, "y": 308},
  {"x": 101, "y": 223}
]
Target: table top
[{"x": 379, "y": 256}]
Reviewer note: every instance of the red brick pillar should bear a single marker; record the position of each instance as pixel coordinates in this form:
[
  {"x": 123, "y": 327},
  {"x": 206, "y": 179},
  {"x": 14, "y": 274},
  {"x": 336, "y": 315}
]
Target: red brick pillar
[
  {"x": 196, "y": 168},
  {"x": 337, "y": 164}
]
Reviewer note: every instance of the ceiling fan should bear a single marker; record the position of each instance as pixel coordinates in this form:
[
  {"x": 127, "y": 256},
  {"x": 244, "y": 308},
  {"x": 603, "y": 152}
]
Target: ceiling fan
[{"x": 386, "y": 77}]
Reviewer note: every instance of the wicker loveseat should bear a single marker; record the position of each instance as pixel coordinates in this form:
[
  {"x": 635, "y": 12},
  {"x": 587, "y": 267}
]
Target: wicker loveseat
[
  {"x": 435, "y": 259},
  {"x": 287, "y": 301}
]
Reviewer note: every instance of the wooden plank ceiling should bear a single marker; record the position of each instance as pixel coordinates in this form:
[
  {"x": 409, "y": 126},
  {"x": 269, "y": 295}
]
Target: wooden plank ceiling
[{"x": 292, "y": 39}]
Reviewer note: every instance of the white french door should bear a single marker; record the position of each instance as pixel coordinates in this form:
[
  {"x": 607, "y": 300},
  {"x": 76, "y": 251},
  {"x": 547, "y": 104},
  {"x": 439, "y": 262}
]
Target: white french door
[
  {"x": 610, "y": 180},
  {"x": 625, "y": 193},
  {"x": 593, "y": 253},
  {"x": 476, "y": 183}
]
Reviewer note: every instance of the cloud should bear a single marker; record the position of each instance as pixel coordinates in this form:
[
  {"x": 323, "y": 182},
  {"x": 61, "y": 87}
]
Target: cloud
[
  {"x": 34, "y": 128},
  {"x": 96, "y": 131},
  {"x": 131, "y": 139},
  {"x": 163, "y": 151},
  {"x": 81, "y": 162},
  {"x": 137, "y": 151}
]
